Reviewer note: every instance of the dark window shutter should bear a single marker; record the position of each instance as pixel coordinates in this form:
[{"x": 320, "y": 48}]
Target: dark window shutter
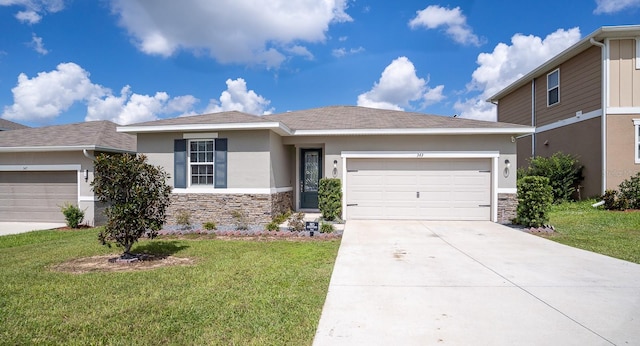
[
  {"x": 221, "y": 163},
  {"x": 180, "y": 163}
]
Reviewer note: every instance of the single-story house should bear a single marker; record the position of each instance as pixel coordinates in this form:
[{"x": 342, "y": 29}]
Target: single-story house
[
  {"x": 43, "y": 168},
  {"x": 393, "y": 164}
]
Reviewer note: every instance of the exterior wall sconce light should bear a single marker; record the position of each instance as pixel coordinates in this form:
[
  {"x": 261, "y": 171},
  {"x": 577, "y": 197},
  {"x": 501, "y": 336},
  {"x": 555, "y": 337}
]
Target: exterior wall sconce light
[
  {"x": 335, "y": 168},
  {"x": 507, "y": 165},
  {"x": 86, "y": 175}
]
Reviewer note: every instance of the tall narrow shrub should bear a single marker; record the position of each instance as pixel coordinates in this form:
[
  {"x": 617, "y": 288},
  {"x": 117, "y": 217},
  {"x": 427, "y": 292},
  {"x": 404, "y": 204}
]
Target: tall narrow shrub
[
  {"x": 330, "y": 198},
  {"x": 534, "y": 201}
]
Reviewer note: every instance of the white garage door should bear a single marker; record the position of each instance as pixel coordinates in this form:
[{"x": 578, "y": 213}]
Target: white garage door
[
  {"x": 36, "y": 196},
  {"x": 425, "y": 189}
]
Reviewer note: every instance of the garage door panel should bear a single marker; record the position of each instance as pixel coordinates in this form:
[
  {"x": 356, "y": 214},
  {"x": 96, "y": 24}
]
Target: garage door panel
[
  {"x": 449, "y": 189},
  {"x": 36, "y": 196}
]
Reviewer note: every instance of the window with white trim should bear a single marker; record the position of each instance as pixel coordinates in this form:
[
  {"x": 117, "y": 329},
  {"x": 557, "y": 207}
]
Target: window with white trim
[
  {"x": 553, "y": 88},
  {"x": 636, "y": 125},
  {"x": 201, "y": 162}
]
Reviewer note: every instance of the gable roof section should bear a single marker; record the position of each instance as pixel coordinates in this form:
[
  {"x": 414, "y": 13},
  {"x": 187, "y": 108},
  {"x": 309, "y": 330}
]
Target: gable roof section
[
  {"x": 624, "y": 31},
  {"x": 6, "y": 125},
  {"x": 334, "y": 120},
  {"x": 92, "y": 135}
]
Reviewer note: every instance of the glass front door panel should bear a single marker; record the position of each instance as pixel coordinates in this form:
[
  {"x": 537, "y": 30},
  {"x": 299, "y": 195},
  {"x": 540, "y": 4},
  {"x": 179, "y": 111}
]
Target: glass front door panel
[{"x": 311, "y": 167}]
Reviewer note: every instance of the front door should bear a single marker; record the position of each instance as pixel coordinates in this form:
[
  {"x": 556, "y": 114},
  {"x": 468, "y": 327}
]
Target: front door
[{"x": 310, "y": 173}]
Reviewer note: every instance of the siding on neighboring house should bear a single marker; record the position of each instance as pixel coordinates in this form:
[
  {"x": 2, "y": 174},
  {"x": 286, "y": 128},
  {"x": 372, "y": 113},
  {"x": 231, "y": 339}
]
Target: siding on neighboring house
[
  {"x": 625, "y": 78},
  {"x": 620, "y": 149},
  {"x": 580, "y": 88},
  {"x": 515, "y": 108}
]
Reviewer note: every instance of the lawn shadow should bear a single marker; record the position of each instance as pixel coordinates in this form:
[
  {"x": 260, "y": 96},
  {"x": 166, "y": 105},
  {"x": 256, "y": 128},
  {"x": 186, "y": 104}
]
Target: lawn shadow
[{"x": 159, "y": 249}]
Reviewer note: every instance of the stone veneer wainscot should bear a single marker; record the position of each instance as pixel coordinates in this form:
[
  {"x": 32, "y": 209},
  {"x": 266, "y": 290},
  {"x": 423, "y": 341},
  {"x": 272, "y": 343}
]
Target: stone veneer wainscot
[
  {"x": 507, "y": 207},
  {"x": 205, "y": 207}
]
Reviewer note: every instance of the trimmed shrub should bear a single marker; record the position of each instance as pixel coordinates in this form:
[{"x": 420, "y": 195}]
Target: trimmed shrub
[
  {"x": 242, "y": 223},
  {"x": 535, "y": 197},
  {"x": 327, "y": 228},
  {"x": 330, "y": 198},
  {"x": 210, "y": 226},
  {"x": 272, "y": 226},
  {"x": 72, "y": 215},
  {"x": 296, "y": 222},
  {"x": 183, "y": 219},
  {"x": 563, "y": 171}
]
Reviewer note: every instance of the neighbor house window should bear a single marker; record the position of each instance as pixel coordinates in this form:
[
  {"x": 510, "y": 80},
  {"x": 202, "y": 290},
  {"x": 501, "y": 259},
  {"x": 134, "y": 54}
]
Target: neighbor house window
[
  {"x": 553, "y": 88},
  {"x": 636, "y": 125},
  {"x": 201, "y": 161}
]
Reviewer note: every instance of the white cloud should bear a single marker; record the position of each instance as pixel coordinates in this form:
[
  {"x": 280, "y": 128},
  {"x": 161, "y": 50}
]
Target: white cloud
[
  {"x": 34, "y": 8},
  {"x": 36, "y": 43},
  {"x": 398, "y": 87},
  {"x": 49, "y": 94},
  {"x": 506, "y": 64},
  {"x": 340, "y": 52},
  {"x": 45, "y": 96},
  {"x": 29, "y": 17},
  {"x": 613, "y": 6},
  {"x": 454, "y": 22},
  {"x": 300, "y": 51},
  {"x": 231, "y": 31},
  {"x": 238, "y": 98},
  {"x": 129, "y": 107}
]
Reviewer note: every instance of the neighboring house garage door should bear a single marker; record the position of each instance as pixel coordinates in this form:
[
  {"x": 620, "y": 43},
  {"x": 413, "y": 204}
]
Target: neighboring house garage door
[
  {"x": 36, "y": 196},
  {"x": 425, "y": 189}
]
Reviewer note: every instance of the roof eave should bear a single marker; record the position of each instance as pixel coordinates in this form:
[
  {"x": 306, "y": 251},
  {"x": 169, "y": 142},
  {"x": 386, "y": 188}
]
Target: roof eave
[
  {"x": 418, "y": 131},
  {"x": 64, "y": 148}
]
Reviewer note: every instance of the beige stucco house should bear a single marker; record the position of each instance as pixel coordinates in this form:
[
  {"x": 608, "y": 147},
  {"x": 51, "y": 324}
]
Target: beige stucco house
[
  {"x": 43, "y": 168},
  {"x": 585, "y": 101},
  {"x": 393, "y": 165}
]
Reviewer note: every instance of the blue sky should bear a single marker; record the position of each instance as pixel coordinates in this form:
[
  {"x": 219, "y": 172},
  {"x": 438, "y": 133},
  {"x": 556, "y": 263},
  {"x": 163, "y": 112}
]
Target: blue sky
[{"x": 65, "y": 61}]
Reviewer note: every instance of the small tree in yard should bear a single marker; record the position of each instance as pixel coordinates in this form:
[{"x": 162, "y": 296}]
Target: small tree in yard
[{"x": 137, "y": 197}]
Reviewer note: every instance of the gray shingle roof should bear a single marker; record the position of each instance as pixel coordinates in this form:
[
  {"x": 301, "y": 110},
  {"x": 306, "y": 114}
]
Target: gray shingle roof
[
  {"x": 10, "y": 125},
  {"x": 98, "y": 135},
  {"x": 231, "y": 117},
  {"x": 333, "y": 118},
  {"x": 353, "y": 117}
]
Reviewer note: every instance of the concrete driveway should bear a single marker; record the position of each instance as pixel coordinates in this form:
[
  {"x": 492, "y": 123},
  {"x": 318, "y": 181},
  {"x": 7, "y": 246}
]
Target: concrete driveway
[
  {"x": 474, "y": 283},
  {"x": 22, "y": 227}
]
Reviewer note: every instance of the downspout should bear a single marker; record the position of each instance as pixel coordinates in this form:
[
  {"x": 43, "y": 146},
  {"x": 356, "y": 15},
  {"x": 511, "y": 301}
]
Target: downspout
[
  {"x": 604, "y": 76},
  {"x": 533, "y": 116},
  {"x": 87, "y": 155}
]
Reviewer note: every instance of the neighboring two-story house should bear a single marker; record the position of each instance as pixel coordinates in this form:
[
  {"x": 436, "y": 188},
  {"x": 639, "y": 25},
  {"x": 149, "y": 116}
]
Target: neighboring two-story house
[{"x": 584, "y": 101}]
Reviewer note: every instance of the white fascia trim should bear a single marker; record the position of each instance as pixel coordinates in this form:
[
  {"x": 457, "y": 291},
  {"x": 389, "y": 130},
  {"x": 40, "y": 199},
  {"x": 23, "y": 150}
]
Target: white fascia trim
[
  {"x": 569, "y": 121},
  {"x": 420, "y": 154},
  {"x": 88, "y": 199},
  {"x": 417, "y": 131},
  {"x": 275, "y": 126},
  {"x": 234, "y": 191},
  {"x": 623, "y": 110},
  {"x": 62, "y": 148},
  {"x": 507, "y": 190},
  {"x": 27, "y": 168}
]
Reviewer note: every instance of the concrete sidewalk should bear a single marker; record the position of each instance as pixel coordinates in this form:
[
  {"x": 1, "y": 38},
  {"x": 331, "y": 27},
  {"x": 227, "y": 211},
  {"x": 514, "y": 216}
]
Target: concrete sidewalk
[
  {"x": 22, "y": 227},
  {"x": 474, "y": 283}
]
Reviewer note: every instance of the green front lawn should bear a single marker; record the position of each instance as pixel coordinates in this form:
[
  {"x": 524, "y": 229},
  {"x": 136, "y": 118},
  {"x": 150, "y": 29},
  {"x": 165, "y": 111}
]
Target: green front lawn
[
  {"x": 612, "y": 233},
  {"x": 238, "y": 292}
]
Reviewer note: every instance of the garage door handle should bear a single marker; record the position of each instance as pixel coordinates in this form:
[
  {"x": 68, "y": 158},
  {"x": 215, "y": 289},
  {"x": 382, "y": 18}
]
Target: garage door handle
[
  {"x": 418, "y": 194},
  {"x": 484, "y": 205},
  {"x": 352, "y": 205}
]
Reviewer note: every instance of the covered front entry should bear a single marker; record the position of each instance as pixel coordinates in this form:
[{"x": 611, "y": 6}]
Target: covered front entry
[
  {"x": 310, "y": 174},
  {"x": 36, "y": 195},
  {"x": 419, "y": 188}
]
